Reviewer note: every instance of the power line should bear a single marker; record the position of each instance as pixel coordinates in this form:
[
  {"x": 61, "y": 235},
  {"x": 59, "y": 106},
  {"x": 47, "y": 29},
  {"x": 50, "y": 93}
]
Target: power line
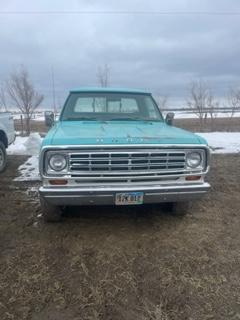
[{"x": 125, "y": 12}]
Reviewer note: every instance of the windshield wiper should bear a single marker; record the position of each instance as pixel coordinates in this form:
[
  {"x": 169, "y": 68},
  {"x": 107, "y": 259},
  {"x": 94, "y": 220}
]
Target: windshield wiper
[
  {"x": 116, "y": 119},
  {"x": 80, "y": 119}
]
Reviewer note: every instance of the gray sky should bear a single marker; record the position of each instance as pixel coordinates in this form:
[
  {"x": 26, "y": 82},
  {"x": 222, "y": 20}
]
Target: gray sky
[{"x": 162, "y": 53}]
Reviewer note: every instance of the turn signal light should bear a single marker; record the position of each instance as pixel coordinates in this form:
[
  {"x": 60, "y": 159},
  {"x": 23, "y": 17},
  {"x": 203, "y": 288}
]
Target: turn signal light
[
  {"x": 58, "y": 182},
  {"x": 193, "y": 178}
]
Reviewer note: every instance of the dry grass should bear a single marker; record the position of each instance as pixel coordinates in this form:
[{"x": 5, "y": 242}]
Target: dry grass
[{"x": 219, "y": 124}]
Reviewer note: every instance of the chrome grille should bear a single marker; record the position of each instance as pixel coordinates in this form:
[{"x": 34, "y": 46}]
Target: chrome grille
[{"x": 133, "y": 165}]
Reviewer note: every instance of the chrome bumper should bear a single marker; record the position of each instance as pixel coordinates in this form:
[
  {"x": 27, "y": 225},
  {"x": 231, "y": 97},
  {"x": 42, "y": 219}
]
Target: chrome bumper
[{"x": 64, "y": 196}]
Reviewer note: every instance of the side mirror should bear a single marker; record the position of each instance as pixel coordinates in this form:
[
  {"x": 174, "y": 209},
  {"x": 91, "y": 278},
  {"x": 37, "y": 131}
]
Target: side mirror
[
  {"x": 169, "y": 118},
  {"x": 49, "y": 118}
]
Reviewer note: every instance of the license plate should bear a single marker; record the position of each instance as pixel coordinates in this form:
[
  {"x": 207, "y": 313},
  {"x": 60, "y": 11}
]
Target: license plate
[{"x": 128, "y": 198}]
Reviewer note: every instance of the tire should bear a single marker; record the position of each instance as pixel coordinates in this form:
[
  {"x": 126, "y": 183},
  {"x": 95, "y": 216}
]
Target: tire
[
  {"x": 50, "y": 212},
  {"x": 180, "y": 208},
  {"x": 3, "y": 157},
  {"x": 177, "y": 208}
]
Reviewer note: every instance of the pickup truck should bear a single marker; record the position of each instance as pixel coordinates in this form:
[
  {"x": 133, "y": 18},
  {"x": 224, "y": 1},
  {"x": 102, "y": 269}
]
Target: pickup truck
[
  {"x": 7, "y": 136},
  {"x": 113, "y": 147}
]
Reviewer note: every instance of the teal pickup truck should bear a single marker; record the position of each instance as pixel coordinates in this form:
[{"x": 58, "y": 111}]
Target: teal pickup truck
[{"x": 113, "y": 147}]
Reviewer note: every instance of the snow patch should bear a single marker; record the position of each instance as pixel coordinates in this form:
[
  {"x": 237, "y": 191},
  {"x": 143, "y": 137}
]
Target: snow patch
[
  {"x": 191, "y": 115},
  {"x": 29, "y": 170},
  {"x": 222, "y": 142},
  {"x": 33, "y": 144},
  {"x": 26, "y": 145},
  {"x": 18, "y": 147}
]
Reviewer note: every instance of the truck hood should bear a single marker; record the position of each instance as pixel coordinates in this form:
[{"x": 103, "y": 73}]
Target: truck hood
[{"x": 118, "y": 132}]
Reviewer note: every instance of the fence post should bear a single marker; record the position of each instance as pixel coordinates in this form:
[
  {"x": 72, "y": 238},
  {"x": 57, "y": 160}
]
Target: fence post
[{"x": 21, "y": 117}]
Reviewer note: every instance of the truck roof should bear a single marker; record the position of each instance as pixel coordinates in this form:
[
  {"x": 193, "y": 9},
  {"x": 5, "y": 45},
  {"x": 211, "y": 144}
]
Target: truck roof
[{"x": 108, "y": 90}]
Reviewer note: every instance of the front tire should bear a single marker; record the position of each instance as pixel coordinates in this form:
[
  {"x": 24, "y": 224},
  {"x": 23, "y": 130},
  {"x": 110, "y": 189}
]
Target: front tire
[
  {"x": 177, "y": 208},
  {"x": 180, "y": 208},
  {"x": 50, "y": 212},
  {"x": 3, "y": 157}
]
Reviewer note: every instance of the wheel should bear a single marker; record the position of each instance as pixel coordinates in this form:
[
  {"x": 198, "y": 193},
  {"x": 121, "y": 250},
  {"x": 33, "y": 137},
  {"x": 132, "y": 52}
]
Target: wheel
[
  {"x": 180, "y": 208},
  {"x": 3, "y": 157},
  {"x": 177, "y": 208},
  {"x": 50, "y": 212}
]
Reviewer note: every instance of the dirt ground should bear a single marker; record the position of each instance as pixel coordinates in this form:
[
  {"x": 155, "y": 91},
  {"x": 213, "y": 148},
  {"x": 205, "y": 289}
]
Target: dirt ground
[{"x": 121, "y": 263}]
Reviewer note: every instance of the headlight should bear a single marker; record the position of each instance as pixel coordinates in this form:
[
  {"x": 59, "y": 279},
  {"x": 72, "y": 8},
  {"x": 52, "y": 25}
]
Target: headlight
[
  {"x": 193, "y": 159},
  {"x": 57, "y": 162}
]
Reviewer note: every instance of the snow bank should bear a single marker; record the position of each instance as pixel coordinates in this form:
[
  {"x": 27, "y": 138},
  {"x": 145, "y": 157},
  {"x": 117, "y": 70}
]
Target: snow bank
[
  {"x": 29, "y": 146},
  {"x": 190, "y": 115},
  {"x": 18, "y": 147},
  {"x": 33, "y": 144},
  {"x": 223, "y": 142},
  {"x": 26, "y": 145}
]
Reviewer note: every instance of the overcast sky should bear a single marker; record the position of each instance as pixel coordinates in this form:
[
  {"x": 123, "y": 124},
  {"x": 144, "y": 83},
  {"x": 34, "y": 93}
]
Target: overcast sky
[{"x": 162, "y": 53}]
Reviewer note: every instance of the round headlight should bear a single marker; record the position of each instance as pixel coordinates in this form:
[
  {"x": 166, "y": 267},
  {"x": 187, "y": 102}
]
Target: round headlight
[
  {"x": 58, "y": 162},
  {"x": 193, "y": 159}
]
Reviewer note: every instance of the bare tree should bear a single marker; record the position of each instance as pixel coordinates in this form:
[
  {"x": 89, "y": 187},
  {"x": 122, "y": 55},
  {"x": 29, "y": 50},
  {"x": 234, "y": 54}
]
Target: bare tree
[
  {"x": 3, "y": 100},
  {"x": 22, "y": 94},
  {"x": 103, "y": 75},
  {"x": 233, "y": 101},
  {"x": 213, "y": 107},
  {"x": 162, "y": 102},
  {"x": 201, "y": 101}
]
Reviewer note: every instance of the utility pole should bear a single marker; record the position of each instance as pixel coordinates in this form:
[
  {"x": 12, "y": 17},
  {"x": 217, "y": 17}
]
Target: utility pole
[{"x": 53, "y": 93}]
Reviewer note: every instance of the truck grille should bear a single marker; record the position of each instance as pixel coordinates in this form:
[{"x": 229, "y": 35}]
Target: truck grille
[{"x": 102, "y": 166}]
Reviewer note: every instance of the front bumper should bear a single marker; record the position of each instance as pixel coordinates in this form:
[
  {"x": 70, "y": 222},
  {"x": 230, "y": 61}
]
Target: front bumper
[{"x": 64, "y": 196}]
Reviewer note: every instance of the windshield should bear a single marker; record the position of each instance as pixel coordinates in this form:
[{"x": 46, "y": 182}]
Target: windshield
[{"x": 110, "y": 107}]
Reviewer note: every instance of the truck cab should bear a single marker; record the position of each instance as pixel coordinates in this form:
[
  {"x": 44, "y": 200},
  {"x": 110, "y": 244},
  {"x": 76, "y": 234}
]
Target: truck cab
[
  {"x": 113, "y": 147},
  {"x": 7, "y": 136}
]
